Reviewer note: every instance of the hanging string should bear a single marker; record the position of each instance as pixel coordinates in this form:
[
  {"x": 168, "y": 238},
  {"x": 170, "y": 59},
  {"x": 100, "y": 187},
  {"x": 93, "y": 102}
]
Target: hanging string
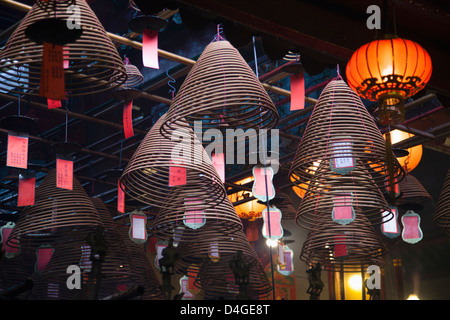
[
  {"x": 265, "y": 181},
  {"x": 67, "y": 119}
]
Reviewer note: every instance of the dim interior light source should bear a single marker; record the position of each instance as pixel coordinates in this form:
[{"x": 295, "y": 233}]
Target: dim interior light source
[
  {"x": 410, "y": 161},
  {"x": 355, "y": 282},
  {"x": 272, "y": 243},
  {"x": 251, "y": 210}
]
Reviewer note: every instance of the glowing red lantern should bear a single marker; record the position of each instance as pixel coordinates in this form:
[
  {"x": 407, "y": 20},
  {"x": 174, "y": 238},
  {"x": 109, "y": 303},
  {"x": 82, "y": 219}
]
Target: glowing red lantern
[{"x": 388, "y": 71}]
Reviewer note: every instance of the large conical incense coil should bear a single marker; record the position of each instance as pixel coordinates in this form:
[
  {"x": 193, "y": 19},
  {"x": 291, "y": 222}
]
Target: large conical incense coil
[
  {"x": 56, "y": 211},
  {"x": 94, "y": 64},
  {"x": 412, "y": 191},
  {"x": 441, "y": 217},
  {"x": 214, "y": 256},
  {"x": 147, "y": 176},
  {"x": 216, "y": 279},
  {"x": 355, "y": 192},
  {"x": 340, "y": 134},
  {"x": 212, "y": 245},
  {"x": 343, "y": 247},
  {"x": 222, "y": 92},
  {"x": 144, "y": 272},
  {"x": 187, "y": 216}
]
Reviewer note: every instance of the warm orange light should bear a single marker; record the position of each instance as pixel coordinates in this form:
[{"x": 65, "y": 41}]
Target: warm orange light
[
  {"x": 410, "y": 161},
  {"x": 249, "y": 210},
  {"x": 388, "y": 71},
  {"x": 379, "y": 60}
]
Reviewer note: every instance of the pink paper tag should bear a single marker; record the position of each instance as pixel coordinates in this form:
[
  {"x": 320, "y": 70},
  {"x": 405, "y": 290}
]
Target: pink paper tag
[
  {"x": 276, "y": 230},
  {"x": 26, "y": 192},
  {"x": 343, "y": 207},
  {"x": 218, "y": 161},
  {"x": 259, "y": 185},
  {"x": 411, "y": 227},
  {"x": 297, "y": 92},
  {"x": 128, "y": 120},
  {"x": 17, "y": 153},
  {"x": 66, "y": 58},
  {"x": 64, "y": 174},
  {"x": 177, "y": 176},
  {"x": 150, "y": 49},
  {"x": 52, "y": 104}
]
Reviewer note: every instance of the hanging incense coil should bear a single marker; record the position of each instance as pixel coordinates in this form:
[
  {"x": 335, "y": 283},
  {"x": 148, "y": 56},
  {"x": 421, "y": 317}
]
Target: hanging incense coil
[
  {"x": 187, "y": 219},
  {"x": 143, "y": 270},
  {"x": 222, "y": 92},
  {"x": 56, "y": 211},
  {"x": 214, "y": 254},
  {"x": 441, "y": 217},
  {"x": 357, "y": 191},
  {"x": 341, "y": 133},
  {"x": 343, "y": 247},
  {"x": 412, "y": 191},
  {"x": 147, "y": 175},
  {"x": 15, "y": 271},
  {"x": 94, "y": 63}
]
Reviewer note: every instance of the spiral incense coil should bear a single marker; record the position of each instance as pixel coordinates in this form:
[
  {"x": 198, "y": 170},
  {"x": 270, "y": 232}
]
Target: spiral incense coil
[
  {"x": 212, "y": 245},
  {"x": 146, "y": 177},
  {"x": 94, "y": 63},
  {"x": 217, "y": 281},
  {"x": 215, "y": 276},
  {"x": 357, "y": 190},
  {"x": 186, "y": 221},
  {"x": 56, "y": 210},
  {"x": 412, "y": 191},
  {"x": 134, "y": 76},
  {"x": 345, "y": 247},
  {"x": 142, "y": 268},
  {"x": 15, "y": 271},
  {"x": 341, "y": 132},
  {"x": 222, "y": 92},
  {"x": 441, "y": 217}
]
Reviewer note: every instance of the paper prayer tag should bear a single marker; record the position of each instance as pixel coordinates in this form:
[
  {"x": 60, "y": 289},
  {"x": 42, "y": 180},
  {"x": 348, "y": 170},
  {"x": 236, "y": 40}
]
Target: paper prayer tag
[
  {"x": 150, "y": 48},
  {"x": 26, "y": 192},
  {"x": 297, "y": 92},
  {"x": 64, "y": 174},
  {"x": 128, "y": 119},
  {"x": 52, "y": 84},
  {"x": 17, "y": 152}
]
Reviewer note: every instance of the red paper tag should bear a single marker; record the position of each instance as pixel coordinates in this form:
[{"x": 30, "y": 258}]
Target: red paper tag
[
  {"x": 52, "y": 72},
  {"x": 52, "y": 104},
  {"x": 297, "y": 92},
  {"x": 218, "y": 161},
  {"x": 17, "y": 154},
  {"x": 43, "y": 257},
  {"x": 26, "y": 192},
  {"x": 150, "y": 48},
  {"x": 128, "y": 120},
  {"x": 340, "y": 246},
  {"x": 120, "y": 199},
  {"x": 177, "y": 176},
  {"x": 64, "y": 174}
]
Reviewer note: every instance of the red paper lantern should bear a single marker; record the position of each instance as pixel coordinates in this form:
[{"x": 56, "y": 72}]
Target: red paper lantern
[{"x": 388, "y": 71}]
